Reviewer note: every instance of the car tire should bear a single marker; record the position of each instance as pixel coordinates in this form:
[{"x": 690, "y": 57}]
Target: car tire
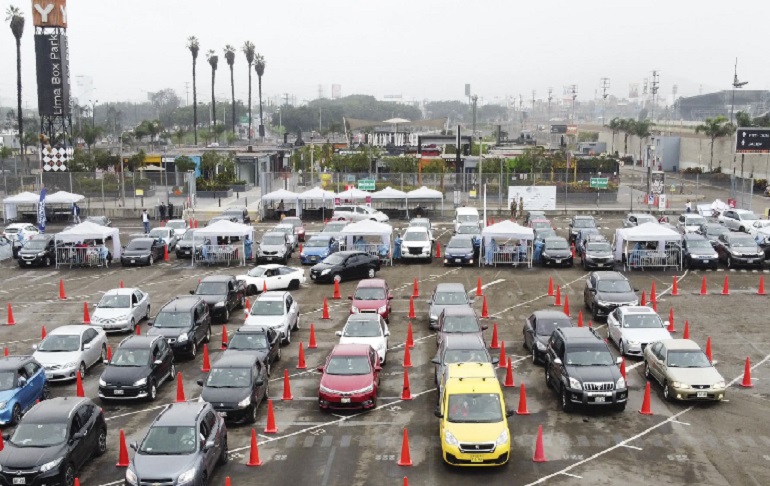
[
  {"x": 534, "y": 354},
  {"x": 667, "y": 392},
  {"x": 224, "y": 456},
  {"x": 16, "y": 414},
  {"x": 227, "y": 314},
  {"x": 46, "y": 393},
  {"x": 595, "y": 311},
  {"x": 47, "y": 261},
  {"x": 742, "y": 229},
  {"x": 242, "y": 302},
  {"x": 172, "y": 372},
  {"x": 372, "y": 272},
  {"x": 147, "y": 314},
  {"x": 150, "y": 261},
  {"x": 132, "y": 327},
  {"x": 647, "y": 372},
  {"x": 294, "y": 284},
  {"x": 101, "y": 442},
  {"x": 193, "y": 349},
  {"x": 68, "y": 475},
  {"x": 278, "y": 354},
  {"x": 204, "y": 480},
  {"x": 566, "y": 404},
  {"x": 83, "y": 369},
  {"x": 152, "y": 391},
  {"x": 296, "y": 325},
  {"x": 207, "y": 337},
  {"x": 622, "y": 348},
  {"x": 548, "y": 377},
  {"x": 253, "y": 414}
]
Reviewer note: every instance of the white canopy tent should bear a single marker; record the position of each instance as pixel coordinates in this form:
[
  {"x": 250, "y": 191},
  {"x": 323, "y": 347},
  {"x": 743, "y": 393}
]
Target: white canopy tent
[
  {"x": 353, "y": 194},
  {"x": 494, "y": 252},
  {"x": 288, "y": 197},
  {"x": 11, "y": 203},
  {"x": 389, "y": 194},
  {"x": 318, "y": 195},
  {"x": 426, "y": 194},
  {"x": 63, "y": 197},
  {"x": 220, "y": 253},
  {"x": 91, "y": 231},
  {"x": 368, "y": 227},
  {"x": 658, "y": 235}
]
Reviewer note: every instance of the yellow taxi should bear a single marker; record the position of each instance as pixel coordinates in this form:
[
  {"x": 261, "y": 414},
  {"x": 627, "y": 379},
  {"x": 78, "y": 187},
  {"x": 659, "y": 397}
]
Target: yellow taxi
[{"x": 474, "y": 425}]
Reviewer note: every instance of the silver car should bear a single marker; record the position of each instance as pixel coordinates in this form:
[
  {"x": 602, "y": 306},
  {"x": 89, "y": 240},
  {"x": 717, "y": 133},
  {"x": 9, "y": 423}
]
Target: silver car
[
  {"x": 738, "y": 219},
  {"x": 274, "y": 247},
  {"x": 69, "y": 349},
  {"x": 690, "y": 223},
  {"x": 636, "y": 219},
  {"x": 277, "y": 310},
  {"x": 447, "y": 295},
  {"x": 358, "y": 213},
  {"x": 168, "y": 235},
  {"x": 683, "y": 370},
  {"x": 289, "y": 231},
  {"x": 179, "y": 226},
  {"x": 121, "y": 309},
  {"x": 632, "y": 328}
]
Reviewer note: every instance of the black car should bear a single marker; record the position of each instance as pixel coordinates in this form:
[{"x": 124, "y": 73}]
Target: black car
[
  {"x": 223, "y": 294},
  {"x": 580, "y": 367},
  {"x": 712, "y": 231},
  {"x": 556, "y": 251},
  {"x": 142, "y": 251},
  {"x": 597, "y": 254},
  {"x": 739, "y": 249},
  {"x": 345, "y": 265},
  {"x": 460, "y": 250},
  {"x": 460, "y": 348},
  {"x": 578, "y": 223},
  {"x": 38, "y": 251},
  {"x": 698, "y": 252},
  {"x": 261, "y": 341},
  {"x": 538, "y": 329},
  {"x": 604, "y": 291},
  {"x": 52, "y": 443},
  {"x": 235, "y": 387},
  {"x": 185, "y": 322},
  {"x": 137, "y": 368}
]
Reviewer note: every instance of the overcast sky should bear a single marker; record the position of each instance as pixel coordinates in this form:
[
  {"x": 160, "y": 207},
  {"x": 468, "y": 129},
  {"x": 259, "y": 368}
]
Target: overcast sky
[{"x": 420, "y": 49}]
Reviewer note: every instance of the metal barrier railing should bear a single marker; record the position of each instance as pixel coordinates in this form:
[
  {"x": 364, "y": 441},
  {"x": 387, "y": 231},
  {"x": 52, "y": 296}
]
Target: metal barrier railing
[
  {"x": 380, "y": 250},
  {"x": 72, "y": 256},
  {"x": 514, "y": 255},
  {"x": 644, "y": 259},
  {"x": 218, "y": 254}
]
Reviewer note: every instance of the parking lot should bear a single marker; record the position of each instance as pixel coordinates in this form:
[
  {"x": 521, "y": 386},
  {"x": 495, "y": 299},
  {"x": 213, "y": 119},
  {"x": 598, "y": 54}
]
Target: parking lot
[{"x": 720, "y": 443}]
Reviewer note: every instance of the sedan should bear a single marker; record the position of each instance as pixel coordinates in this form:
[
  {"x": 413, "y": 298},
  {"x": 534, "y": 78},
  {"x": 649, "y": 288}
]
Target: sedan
[
  {"x": 458, "y": 320},
  {"x": 369, "y": 329},
  {"x": 142, "y": 251},
  {"x": 272, "y": 276},
  {"x": 345, "y": 265},
  {"x": 317, "y": 248},
  {"x": 261, "y": 341},
  {"x": 460, "y": 250},
  {"x": 236, "y": 385},
  {"x": 371, "y": 296},
  {"x": 712, "y": 231},
  {"x": 100, "y": 220},
  {"x": 636, "y": 219},
  {"x": 222, "y": 293},
  {"x": 632, "y": 328},
  {"x": 538, "y": 224},
  {"x": 604, "y": 291},
  {"x": 737, "y": 219},
  {"x": 69, "y": 349},
  {"x": 690, "y": 223},
  {"x": 683, "y": 370},
  {"x": 20, "y": 231},
  {"x": 179, "y": 226},
  {"x": 597, "y": 254},
  {"x": 351, "y": 377},
  {"x": 22, "y": 383},
  {"x": 698, "y": 252},
  {"x": 445, "y": 296},
  {"x": 288, "y": 230},
  {"x": 739, "y": 249},
  {"x": 277, "y": 310},
  {"x": 556, "y": 252},
  {"x": 538, "y": 328},
  {"x": 184, "y": 246},
  {"x": 274, "y": 247},
  {"x": 578, "y": 223},
  {"x": 759, "y": 226},
  {"x": 121, "y": 309}
]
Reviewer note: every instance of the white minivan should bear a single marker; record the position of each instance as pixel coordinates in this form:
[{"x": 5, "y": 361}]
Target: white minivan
[{"x": 465, "y": 215}]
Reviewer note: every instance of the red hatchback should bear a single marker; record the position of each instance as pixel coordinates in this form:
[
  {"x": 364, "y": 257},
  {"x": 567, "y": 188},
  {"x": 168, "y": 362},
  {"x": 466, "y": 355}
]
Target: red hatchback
[
  {"x": 372, "y": 295},
  {"x": 350, "y": 378}
]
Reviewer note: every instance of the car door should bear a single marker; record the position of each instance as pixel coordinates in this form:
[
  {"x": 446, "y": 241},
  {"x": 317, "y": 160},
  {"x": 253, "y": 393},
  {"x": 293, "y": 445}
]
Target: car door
[
  {"x": 212, "y": 433},
  {"x": 530, "y": 328},
  {"x": 588, "y": 294},
  {"x": 559, "y": 370},
  {"x": 658, "y": 361},
  {"x": 231, "y": 297},
  {"x": 613, "y": 325},
  {"x": 202, "y": 322},
  {"x": 25, "y": 393},
  {"x": 274, "y": 343},
  {"x": 259, "y": 373},
  {"x": 78, "y": 446},
  {"x": 385, "y": 332},
  {"x": 35, "y": 383},
  {"x": 90, "y": 346},
  {"x": 292, "y": 311},
  {"x": 374, "y": 362}
]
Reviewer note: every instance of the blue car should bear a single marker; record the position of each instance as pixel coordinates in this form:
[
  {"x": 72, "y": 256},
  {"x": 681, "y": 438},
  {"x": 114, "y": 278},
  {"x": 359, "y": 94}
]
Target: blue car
[
  {"x": 461, "y": 250},
  {"x": 22, "y": 383},
  {"x": 317, "y": 248}
]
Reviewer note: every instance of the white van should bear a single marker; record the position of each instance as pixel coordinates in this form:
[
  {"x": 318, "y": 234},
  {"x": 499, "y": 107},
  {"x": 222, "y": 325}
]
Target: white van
[{"x": 466, "y": 215}]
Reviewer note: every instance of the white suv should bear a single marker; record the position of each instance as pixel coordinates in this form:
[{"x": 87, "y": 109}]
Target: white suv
[
  {"x": 417, "y": 244},
  {"x": 738, "y": 219},
  {"x": 358, "y": 213}
]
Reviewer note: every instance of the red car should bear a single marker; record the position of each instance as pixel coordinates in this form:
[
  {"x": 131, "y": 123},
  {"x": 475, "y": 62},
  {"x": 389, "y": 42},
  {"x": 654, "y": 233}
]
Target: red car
[
  {"x": 350, "y": 379},
  {"x": 373, "y": 296},
  {"x": 299, "y": 226}
]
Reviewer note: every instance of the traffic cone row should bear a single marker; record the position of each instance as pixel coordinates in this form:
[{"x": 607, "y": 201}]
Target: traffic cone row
[
  {"x": 494, "y": 344},
  {"x": 405, "y": 459},
  {"x": 79, "y": 385},
  {"x": 311, "y": 342},
  {"x": 165, "y": 253},
  {"x": 415, "y": 288},
  {"x": 557, "y": 302},
  {"x": 246, "y": 308},
  {"x": 671, "y": 327},
  {"x": 62, "y": 294},
  {"x": 675, "y": 287},
  {"x": 286, "y": 386},
  {"x": 726, "y": 286},
  {"x": 509, "y": 383},
  {"x": 623, "y": 367},
  {"x": 270, "y": 427},
  {"x": 484, "y": 309},
  {"x": 703, "y": 289},
  {"x": 253, "y": 451},
  {"x": 522, "y": 401},
  {"x": 645, "y": 410},
  {"x": 206, "y": 363},
  {"x": 479, "y": 290},
  {"x": 301, "y": 365},
  {"x": 179, "y": 388},
  {"x": 123, "y": 451},
  {"x": 406, "y": 393},
  {"x": 407, "y": 357},
  {"x": 708, "y": 349},
  {"x": 686, "y": 334},
  {"x": 580, "y": 318},
  {"x": 225, "y": 340},
  {"x": 438, "y": 249},
  {"x": 653, "y": 294},
  {"x": 11, "y": 321},
  {"x": 644, "y": 297},
  {"x": 746, "y": 383},
  {"x": 539, "y": 449},
  {"x": 43, "y": 333},
  {"x": 86, "y": 315},
  {"x": 412, "y": 315},
  {"x": 121, "y": 284},
  {"x": 550, "y": 286},
  {"x": 409, "y": 336},
  {"x": 566, "y": 305}
]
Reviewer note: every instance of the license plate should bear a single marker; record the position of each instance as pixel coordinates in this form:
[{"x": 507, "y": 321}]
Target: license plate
[
  {"x": 599, "y": 399},
  {"x": 133, "y": 261},
  {"x": 312, "y": 277},
  {"x": 118, "y": 392},
  {"x": 269, "y": 258},
  {"x": 19, "y": 481},
  {"x": 186, "y": 252},
  {"x": 345, "y": 400},
  {"x": 223, "y": 414},
  {"x": 753, "y": 261},
  {"x": 49, "y": 375},
  {"x": 28, "y": 263},
  {"x": 558, "y": 260},
  {"x": 702, "y": 395},
  {"x": 458, "y": 260},
  {"x": 477, "y": 458}
]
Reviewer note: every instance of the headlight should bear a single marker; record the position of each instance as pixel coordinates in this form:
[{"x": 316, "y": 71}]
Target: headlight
[
  {"x": 3, "y": 404},
  {"x": 326, "y": 272},
  {"x": 244, "y": 403},
  {"x": 141, "y": 382},
  {"x": 42, "y": 253},
  {"x": 130, "y": 476},
  {"x": 603, "y": 303},
  {"x": 633, "y": 343},
  {"x": 450, "y": 439},
  {"x": 679, "y": 384},
  {"x": 354, "y": 309},
  {"x": 502, "y": 439},
  {"x": 736, "y": 253},
  {"x": 364, "y": 390},
  {"x": 182, "y": 338},
  {"x": 50, "y": 465},
  {"x": 219, "y": 304},
  {"x": 327, "y": 390},
  {"x": 621, "y": 383},
  {"x": 719, "y": 384},
  {"x": 433, "y": 318},
  {"x": 101, "y": 383},
  {"x": 573, "y": 383},
  {"x": 540, "y": 345},
  {"x": 186, "y": 476},
  {"x": 382, "y": 309},
  {"x": 469, "y": 255}
]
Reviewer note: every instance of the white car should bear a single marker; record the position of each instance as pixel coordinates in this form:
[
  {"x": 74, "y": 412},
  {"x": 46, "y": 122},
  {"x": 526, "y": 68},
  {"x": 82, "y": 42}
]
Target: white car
[
  {"x": 416, "y": 244},
  {"x": 632, "y": 328},
  {"x": 67, "y": 349},
  {"x": 121, "y": 309},
  {"x": 358, "y": 213},
  {"x": 289, "y": 231},
  {"x": 277, "y": 310},
  {"x": 25, "y": 230},
  {"x": 368, "y": 329},
  {"x": 179, "y": 226},
  {"x": 168, "y": 235},
  {"x": 275, "y": 277},
  {"x": 737, "y": 219},
  {"x": 760, "y": 226},
  {"x": 690, "y": 223},
  {"x": 422, "y": 223}
]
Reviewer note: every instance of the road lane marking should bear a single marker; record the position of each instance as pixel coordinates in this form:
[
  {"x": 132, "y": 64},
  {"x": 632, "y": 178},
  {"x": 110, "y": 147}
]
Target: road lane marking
[{"x": 496, "y": 314}]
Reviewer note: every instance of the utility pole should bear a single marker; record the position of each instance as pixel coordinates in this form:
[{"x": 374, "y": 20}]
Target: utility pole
[
  {"x": 474, "y": 107},
  {"x": 533, "y": 108},
  {"x": 654, "y": 88},
  {"x": 550, "y": 98},
  {"x": 674, "y": 91},
  {"x": 187, "y": 93},
  {"x": 573, "y": 89},
  {"x": 736, "y": 85},
  {"x": 605, "y": 87}
]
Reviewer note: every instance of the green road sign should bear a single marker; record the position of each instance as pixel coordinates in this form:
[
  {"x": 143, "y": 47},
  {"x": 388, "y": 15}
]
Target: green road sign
[
  {"x": 366, "y": 184},
  {"x": 599, "y": 182}
]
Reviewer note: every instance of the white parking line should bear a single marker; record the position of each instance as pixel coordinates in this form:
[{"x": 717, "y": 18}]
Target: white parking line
[{"x": 496, "y": 314}]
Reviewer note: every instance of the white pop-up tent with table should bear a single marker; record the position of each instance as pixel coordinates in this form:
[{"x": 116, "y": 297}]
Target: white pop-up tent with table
[
  {"x": 11, "y": 204},
  {"x": 390, "y": 194},
  {"x": 383, "y": 231},
  {"x": 63, "y": 199},
  {"x": 424, "y": 194},
  {"x": 211, "y": 252},
  {"x": 284, "y": 195},
  {"x": 649, "y": 245},
  {"x": 353, "y": 194},
  {"x": 507, "y": 243},
  {"x": 68, "y": 254},
  {"x": 318, "y": 195}
]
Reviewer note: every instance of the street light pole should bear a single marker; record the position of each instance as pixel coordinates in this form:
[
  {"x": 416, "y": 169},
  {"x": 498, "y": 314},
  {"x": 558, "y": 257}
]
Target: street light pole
[{"x": 122, "y": 171}]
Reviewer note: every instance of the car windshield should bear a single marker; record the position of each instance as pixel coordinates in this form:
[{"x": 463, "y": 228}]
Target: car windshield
[
  {"x": 613, "y": 286},
  {"x": 169, "y": 441},
  {"x": 694, "y": 220},
  {"x": 267, "y": 308},
  {"x": 544, "y": 233},
  {"x": 459, "y": 324},
  {"x": 35, "y": 245},
  {"x": 698, "y": 244},
  {"x": 176, "y": 224},
  {"x": 467, "y": 230},
  {"x": 248, "y": 340},
  {"x": 7, "y": 379},
  {"x": 556, "y": 245},
  {"x": 687, "y": 358},
  {"x": 348, "y": 365},
  {"x": 273, "y": 240},
  {"x": 362, "y": 328},
  {"x": 450, "y": 298},
  {"x": 541, "y": 224},
  {"x": 334, "y": 259},
  {"x": 748, "y": 216},
  {"x": 744, "y": 241},
  {"x": 138, "y": 245},
  {"x": 642, "y": 321},
  {"x": 584, "y": 223},
  {"x": 420, "y": 224},
  {"x": 415, "y": 236},
  {"x": 130, "y": 357},
  {"x": 257, "y": 272},
  {"x": 172, "y": 319},
  {"x": 229, "y": 378},
  {"x": 645, "y": 219},
  {"x": 333, "y": 227},
  {"x": 292, "y": 221},
  {"x": 57, "y": 343},
  {"x": 459, "y": 243},
  {"x": 598, "y": 247},
  {"x": 115, "y": 302},
  {"x": 369, "y": 293},
  {"x": 188, "y": 235},
  {"x": 95, "y": 219},
  {"x": 546, "y": 327},
  {"x": 467, "y": 218},
  {"x": 316, "y": 243},
  {"x": 233, "y": 214},
  {"x": 211, "y": 288},
  {"x": 39, "y": 435},
  {"x": 593, "y": 356},
  {"x": 285, "y": 229},
  {"x": 465, "y": 356},
  {"x": 159, "y": 233},
  {"x": 12, "y": 231},
  {"x": 474, "y": 408}
]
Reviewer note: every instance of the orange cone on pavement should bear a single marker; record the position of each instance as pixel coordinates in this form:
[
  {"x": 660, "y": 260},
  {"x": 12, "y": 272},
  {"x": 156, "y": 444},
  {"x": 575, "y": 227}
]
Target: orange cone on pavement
[
  {"x": 522, "y": 401},
  {"x": 409, "y": 336},
  {"x": 557, "y": 302},
  {"x": 675, "y": 287},
  {"x": 301, "y": 360},
  {"x": 407, "y": 357},
  {"x": 405, "y": 459},
  {"x": 123, "y": 451},
  {"x": 644, "y": 297},
  {"x": 479, "y": 290},
  {"x": 311, "y": 342},
  {"x": 225, "y": 340},
  {"x": 11, "y": 321},
  {"x": 270, "y": 427},
  {"x": 121, "y": 284},
  {"x": 566, "y": 305},
  {"x": 337, "y": 294},
  {"x": 746, "y": 383},
  {"x": 671, "y": 327},
  {"x": 590, "y": 324},
  {"x": 761, "y": 290},
  {"x": 109, "y": 353},
  {"x": 138, "y": 330},
  {"x": 79, "y": 385},
  {"x": 264, "y": 286},
  {"x": 246, "y": 308},
  {"x": 539, "y": 450},
  {"x": 438, "y": 249},
  {"x": 484, "y": 309},
  {"x": 415, "y": 288},
  {"x": 726, "y": 286},
  {"x": 406, "y": 393},
  {"x": 708, "y": 350},
  {"x": 509, "y": 383},
  {"x": 286, "y": 386},
  {"x": 179, "y": 388},
  {"x": 206, "y": 363},
  {"x": 412, "y": 315},
  {"x": 572, "y": 250},
  {"x": 703, "y": 290},
  {"x": 253, "y": 451},
  {"x": 62, "y": 294},
  {"x": 165, "y": 253},
  {"x": 550, "y": 286},
  {"x": 686, "y": 334},
  {"x": 86, "y": 315},
  {"x": 646, "y": 402},
  {"x": 5, "y": 351},
  {"x": 653, "y": 294},
  {"x": 494, "y": 344},
  {"x": 2, "y": 444},
  {"x": 503, "y": 359},
  {"x": 623, "y": 367},
  {"x": 580, "y": 319},
  {"x": 43, "y": 333},
  {"x": 325, "y": 315}
]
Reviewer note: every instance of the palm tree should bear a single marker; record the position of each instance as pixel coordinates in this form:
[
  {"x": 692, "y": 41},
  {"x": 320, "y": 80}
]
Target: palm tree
[
  {"x": 627, "y": 127},
  {"x": 249, "y": 51},
  {"x": 615, "y": 125},
  {"x": 715, "y": 128},
  {"x": 192, "y": 44},
  {"x": 641, "y": 129},
  {"x": 230, "y": 58},
  {"x": 213, "y": 61},
  {"x": 14, "y": 16},
  {"x": 259, "y": 66}
]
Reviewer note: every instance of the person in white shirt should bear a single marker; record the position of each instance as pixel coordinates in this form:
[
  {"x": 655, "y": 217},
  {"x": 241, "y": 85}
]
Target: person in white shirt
[
  {"x": 688, "y": 206},
  {"x": 146, "y": 221}
]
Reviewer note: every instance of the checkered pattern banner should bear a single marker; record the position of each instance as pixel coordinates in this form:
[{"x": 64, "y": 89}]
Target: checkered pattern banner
[{"x": 55, "y": 159}]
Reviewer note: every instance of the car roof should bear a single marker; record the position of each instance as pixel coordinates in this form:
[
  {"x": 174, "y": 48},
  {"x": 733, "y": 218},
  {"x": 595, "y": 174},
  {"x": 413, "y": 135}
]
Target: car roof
[
  {"x": 269, "y": 266},
  {"x": 283, "y": 226},
  {"x": 576, "y": 335},
  {"x": 18, "y": 225},
  {"x": 471, "y": 371},
  {"x": 637, "y": 309},
  {"x": 138, "y": 342},
  {"x": 550, "y": 314},
  {"x": 464, "y": 341},
  {"x": 372, "y": 282},
  {"x": 419, "y": 220},
  {"x": 673, "y": 344},
  {"x": 272, "y": 295},
  {"x": 142, "y": 239},
  {"x": 324, "y": 237},
  {"x": 450, "y": 287},
  {"x": 466, "y": 210},
  {"x": 560, "y": 239},
  {"x": 466, "y": 238},
  {"x": 540, "y": 220},
  {"x": 351, "y": 350},
  {"x": 54, "y": 409},
  {"x": 351, "y": 252},
  {"x": 743, "y": 211},
  {"x": 363, "y": 316},
  {"x": 121, "y": 291},
  {"x": 252, "y": 329},
  {"x": 217, "y": 278},
  {"x": 416, "y": 229},
  {"x": 610, "y": 275},
  {"x": 459, "y": 310},
  {"x": 70, "y": 330},
  {"x": 13, "y": 362},
  {"x": 273, "y": 233},
  {"x": 732, "y": 235},
  {"x": 181, "y": 303},
  {"x": 180, "y": 414},
  {"x": 234, "y": 360},
  {"x": 582, "y": 216},
  {"x": 693, "y": 236},
  {"x": 39, "y": 237}
]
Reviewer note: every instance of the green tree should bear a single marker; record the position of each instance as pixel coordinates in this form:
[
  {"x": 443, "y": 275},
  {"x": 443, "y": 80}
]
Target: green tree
[
  {"x": 194, "y": 47},
  {"x": 715, "y": 128},
  {"x": 184, "y": 164},
  {"x": 401, "y": 164},
  {"x": 91, "y": 134},
  {"x": 642, "y": 130},
  {"x": 210, "y": 160},
  {"x": 614, "y": 125},
  {"x": 743, "y": 119},
  {"x": 5, "y": 152},
  {"x": 358, "y": 162},
  {"x": 16, "y": 19},
  {"x": 179, "y": 134},
  {"x": 230, "y": 58},
  {"x": 259, "y": 67},
  {"x": 435, "y": 166},
  {"x": 137, "y": 161},
  {"x": 627, "y": 126},
  {"x": 249, "y": 50},
  {"x": 213, "y": 60}
]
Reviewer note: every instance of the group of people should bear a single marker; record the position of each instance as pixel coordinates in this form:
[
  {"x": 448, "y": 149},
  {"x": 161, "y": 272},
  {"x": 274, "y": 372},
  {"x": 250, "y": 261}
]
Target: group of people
[
  {"x": 89, "y": 252},
  {"x": 517, "y": 209},
  {"x": 516, "y": 251}
]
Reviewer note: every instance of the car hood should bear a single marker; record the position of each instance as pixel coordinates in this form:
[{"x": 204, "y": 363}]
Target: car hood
[
  {"x": 321, "y": 266},
  {"x": 272, "y": 247},
  {"x": 458, "y": 251},
  {"x": 258, "y": 354},
  {"x": 557, "y": 253},
  {"x": 346, "y": 383},
  {"x": 28, "y": 251},
  {"x": 598, "y": 254},
  {"x": 271, "y": 321},
  {"x": 135, "y": 253},
  {"x": 48, "y": 359},
  {"x": 594, "y": 373},
  {"x": 646, "y": 335},
  {"x": 224, "y": 395},
  {"x": 12, "y": 457},
  {"x": 374, "y": 342},
  {"x": 695, "y": 376},
  {"x": 745, "y": 249},
  {"x": 172, "y": 466},
  {"x": 212, "y": 299},
  {"x": 315, "y": 250},
  {"x": 168, "y": 332},
  {"x": 435, "y": 309},
  {"x": 111, "y": 313},
  {"x": 369, "y": 304},
  {"x": 421, "y": 244},
  {"x": 124, "y": 375},
  {"x": 616, "y": 297},
  {"x": 476, "y": 433}
]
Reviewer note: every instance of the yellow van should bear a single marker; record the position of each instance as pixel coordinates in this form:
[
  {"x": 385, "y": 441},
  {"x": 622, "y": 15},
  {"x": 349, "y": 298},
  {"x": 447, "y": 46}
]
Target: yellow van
[{"x": 474, "y": 425}]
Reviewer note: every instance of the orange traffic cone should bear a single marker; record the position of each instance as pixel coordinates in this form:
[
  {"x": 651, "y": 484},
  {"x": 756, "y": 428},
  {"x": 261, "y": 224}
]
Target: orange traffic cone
[
  {"x": 653, "y": 294},
  {"x": 406, "y": 393},
  {"x": 405, "y": 459},
  {"x": 522, "y": 401},
  {"x": 566, "y": 305},
  {"x": 79, "y": 385},
  {"x": 406, "y": 480},
  {"x": 623, "y": 367},
  {"x": 5, "y": 351},
  {"x": 572, "y": 250},
  {"x": 325, "y": 315},
  {"x": 43, "y": 333},
  {"x": 206, "y": 363},
  {"x": 286, "y": 386},
  {"x": 2, "y": 443},
  {"x": 11, "y": 320},
  {"x": 165, "y": 253},
  {"x": 123, "y": 451},
  {"x": 484, "y": 309},
  {"x": 301, "y": 360},
  {"x": 86, "y": 315},
  {"x": 479, "y": 290},
  {"x": 179, "y": 388},
  {"x": 646, "y": 402},
  {"x": 264, "y": 286},
  {"x": 62, "y": 294},
  {"x": 311, "y": 342},
  {"x": 746, "y": 383},
  {"x": 703, "y": 290},
  {"x": 253, "y": 451},
  {"x": 77, "y": 482},
  {"x": 415, "y": 288},
  {"x": 708, "y": 350},
  {"x": 138, "y": 330},
  {"x": 270, "y": 427},
  {"x": 671, "y": 327},
  {"x": 726, "y": 286},
  {"x": 539, "y": 450},
  {"x": 494, "y": 344},
  {"x": 550, "y": 286},
  {"x": 412, "y": 315},
  {"x": 407, "y": 357},
  {"x": 761, "y": 290},
  {"x": 121, "y": 284},
  {"x": 686, "y": 334},
  {"x": 557, "y": 302},
  {"x": 195, "y": 223},
  {"x": 590, "y": 324},
  {"x": 409, "y": 336},
  {"x": 337, "y": 295},
  {"x": 509, "y": 383},
  {"x": 109, "y": 353},
  {"x": 503, "y": 360},
  {"x": 438, "y": 249},
  {"x": 580, "y": 318},
  {"x": 246, "y": 308},
  {"x": 644, "y": 297},
  {"x": 300, "y": 248},
  {"x": 225, "y": 340},
  {"x": 675, "y": 287}
]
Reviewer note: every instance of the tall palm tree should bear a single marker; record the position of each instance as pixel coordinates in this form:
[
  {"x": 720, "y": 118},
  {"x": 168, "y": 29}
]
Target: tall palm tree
[
  {"x": 14, "y": 16},
  {"x": 194, "y": 46},
  {"x": 715, "y": 128},
  {"x": 259, "y": 66},
  {"x": 213, "y": 60},
  {"x": 230, "y": 58},
  {"x": 614, "y": 125},
  {"x": 249, "y": 51},
  {"x": 641, "y": 129},
  {"x": 627, "y": 127}
]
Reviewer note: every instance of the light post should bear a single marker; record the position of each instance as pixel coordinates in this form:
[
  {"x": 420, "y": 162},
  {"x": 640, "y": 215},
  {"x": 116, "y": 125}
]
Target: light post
[{"x": 93, "y": 112}]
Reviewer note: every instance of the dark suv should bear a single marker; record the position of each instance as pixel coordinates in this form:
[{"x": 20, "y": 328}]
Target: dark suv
[
  {"x": 236, "y": 385},
  {"x": 52, "y": 442},
  {"x": 580, "y": 367},
  {"x": 262, "y": 342},
  {"x": 222, "y": 293},
  {"x": 139, "y": 366},
  {"x": 183, "y": 445},
  {"x": 605, "y": 291},
  {"x": 38, "y": 251},
  {"x": 185, "y": 322}
]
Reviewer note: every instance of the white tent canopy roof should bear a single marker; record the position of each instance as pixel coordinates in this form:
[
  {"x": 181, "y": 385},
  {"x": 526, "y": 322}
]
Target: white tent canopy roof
[
  {"x": 23, "y": 198},
  {"x": 280, "y": 194},
  {"x": 389, "y": 193},
  {"x": 63, "y": 197},
  {"x": 649, "y": 232},
  {"x": 317, "y": 194},
  {"x": 354, "y": 193},
  {"x": 367, "y": 227},
  {"x": 92, "y": 231},
  {"x": 224, "y": 228},
  {"x": 425, "y": 193},
  {"x": 507, "y": 229}
]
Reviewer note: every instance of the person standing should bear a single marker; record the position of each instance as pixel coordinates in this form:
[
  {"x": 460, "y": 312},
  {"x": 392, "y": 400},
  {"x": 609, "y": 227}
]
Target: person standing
[
  {"x": 513, "y": 208},
  {"x": 688, "y": 207},
  {"x": 146, "y": 221},
  {"x": 280, "y": 210},
  {"x": 397, "y": 247},
  {"x": 76, "y": 213},
  {"x": 521, "y": 206},
  {"x": 162, "y": 211}
]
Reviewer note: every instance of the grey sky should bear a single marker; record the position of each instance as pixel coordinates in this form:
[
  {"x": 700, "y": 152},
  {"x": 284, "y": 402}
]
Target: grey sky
[{"x": 417, "y": 48}]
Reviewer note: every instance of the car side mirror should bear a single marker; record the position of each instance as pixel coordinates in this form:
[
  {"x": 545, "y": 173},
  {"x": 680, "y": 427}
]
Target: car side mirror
[
  {"x": 509, "y": 412},
  {"x": 192, "y": 292},
  {"x": 320, "y": 368},
  {"x": 438, "y": 413},
  {"x": 259, "y": 382},
  {"x": 22, "y": 382},
  {"x": 86, "y": 346},
  {"x": 78, "y": 436},
  {"x": 105, "y": 362},
  {"x": 6, "y": 436},
  {"x": 199, "y": 382},
  {"x": 34, "y": 346},
  {"x": 636, "y": 290},
  {"x": 225, "y": 344},
  {"x": 557, "y": 361},
  {"x": 433, "y": 327},
  {"x": 484, "y": 328},
  {"x": 209, "y": 444},
  {"x": 666, "y": 324},
  {"x": 436, "y": 361},
  {"x": 378, "y": 368},
  {"x": 495, "y": 360},
  {"x": 134, "y": 445},
  {"x": 387, "y": 333},
  {"x": 338, "y": 333},
  {"x": 157, "y": 362},
  {"x": 150, "y": 322},
  {"x": 619, "y": 360},
  {"x": 350, "y": 297},
  {"x": 390, "y": 296}
]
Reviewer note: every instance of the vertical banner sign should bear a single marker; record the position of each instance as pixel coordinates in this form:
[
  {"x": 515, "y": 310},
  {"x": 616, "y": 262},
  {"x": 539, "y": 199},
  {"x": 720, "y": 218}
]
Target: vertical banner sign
[
  {"x": 53, "y": 89},
  {"x": 41, "y": 211}
]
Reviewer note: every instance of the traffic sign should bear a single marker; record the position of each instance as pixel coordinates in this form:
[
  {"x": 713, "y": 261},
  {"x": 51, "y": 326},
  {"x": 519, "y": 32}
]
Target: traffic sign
[
  {"x": 366, "y": 184},
  {"x": 600, "y": 182},
  {"x": 752, "y": 141}
]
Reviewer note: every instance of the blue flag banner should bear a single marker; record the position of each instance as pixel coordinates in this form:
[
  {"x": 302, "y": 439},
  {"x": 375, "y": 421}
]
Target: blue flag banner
[{"x": 41, "y": 211}]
